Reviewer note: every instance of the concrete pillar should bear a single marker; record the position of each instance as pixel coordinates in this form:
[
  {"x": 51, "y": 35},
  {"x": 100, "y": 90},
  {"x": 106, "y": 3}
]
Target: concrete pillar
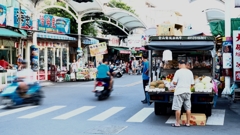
[
  {"x": 34, "y": 40},
  {"x": 79, "y": 30},
  {"x": 229, "y": 5},
  {"x": 67, "y": 57},
  {"x": 46, "y": 62}
]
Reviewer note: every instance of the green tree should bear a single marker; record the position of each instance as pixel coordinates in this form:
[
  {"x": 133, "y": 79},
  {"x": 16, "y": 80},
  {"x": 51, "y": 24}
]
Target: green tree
[
  {"x": 111, "y": 29},
  {"x": 87, "y": 28}
]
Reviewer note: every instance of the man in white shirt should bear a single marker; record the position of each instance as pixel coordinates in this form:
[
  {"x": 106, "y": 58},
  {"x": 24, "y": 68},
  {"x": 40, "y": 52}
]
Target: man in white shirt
[
  {"x": 183, "y": 79},
  {"x": 25, "y": 76}
]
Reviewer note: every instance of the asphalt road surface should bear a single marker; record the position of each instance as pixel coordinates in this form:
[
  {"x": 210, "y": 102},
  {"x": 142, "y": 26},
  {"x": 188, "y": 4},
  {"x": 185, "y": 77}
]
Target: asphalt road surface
[{"x": 71, "y": 108}]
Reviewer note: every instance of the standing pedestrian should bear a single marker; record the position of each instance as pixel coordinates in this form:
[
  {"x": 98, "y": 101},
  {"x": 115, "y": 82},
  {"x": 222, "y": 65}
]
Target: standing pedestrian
[
  {"x": 183, "y": 79},
  {"x": 74, "y": 68},
  {"x": 145, "y": 76}
]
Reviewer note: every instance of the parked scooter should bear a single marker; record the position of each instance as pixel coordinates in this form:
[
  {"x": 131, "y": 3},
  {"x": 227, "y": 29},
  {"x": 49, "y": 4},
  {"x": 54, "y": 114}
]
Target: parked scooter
[
  {"x": 11, "y": 95},
  {"x": 117, "y": 72},
  {"x": 102, "y": 91}
]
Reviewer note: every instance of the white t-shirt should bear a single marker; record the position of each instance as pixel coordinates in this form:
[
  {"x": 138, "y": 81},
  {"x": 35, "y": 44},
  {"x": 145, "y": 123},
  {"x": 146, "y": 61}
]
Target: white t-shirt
[
  {"x": 184, "y": 79},
  {"x": 28, "y": 74}
]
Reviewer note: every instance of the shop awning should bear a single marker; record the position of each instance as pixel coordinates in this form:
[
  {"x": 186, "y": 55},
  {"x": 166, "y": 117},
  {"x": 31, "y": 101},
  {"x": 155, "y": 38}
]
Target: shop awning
[
  {"x": 123, "y": 50},
  {"x": 55, "y": 36},
  {"x": 90, "y": 41},
  {"x": 181, "y": 43},
  {"x": 9, "y": 33}
]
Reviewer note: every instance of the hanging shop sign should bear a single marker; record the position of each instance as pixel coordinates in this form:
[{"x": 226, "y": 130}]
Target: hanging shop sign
[
  {"x": 134, "y": 40},
  {"x": 97, "y": 49},
  {"x": 236, "y": 56},
  {"x": 26, "y": 20},
  {"x": 53, "y": 24},
  {"x": 113, "y": 41},
  {"x": 3, "y": 13},
  {"x": 182, "y": 38}
]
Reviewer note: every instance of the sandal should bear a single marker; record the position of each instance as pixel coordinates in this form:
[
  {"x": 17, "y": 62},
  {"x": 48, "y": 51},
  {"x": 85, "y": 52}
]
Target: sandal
[
  {"x": 174, "y": 125},
  {"x": 187, "y": 125}
]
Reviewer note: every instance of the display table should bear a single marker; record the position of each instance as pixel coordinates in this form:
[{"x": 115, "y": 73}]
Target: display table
[{"x": 86, "y": 74}]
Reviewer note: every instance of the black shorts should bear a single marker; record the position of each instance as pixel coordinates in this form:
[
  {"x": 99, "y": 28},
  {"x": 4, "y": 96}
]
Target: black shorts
[{"x": 107, "y": 79}]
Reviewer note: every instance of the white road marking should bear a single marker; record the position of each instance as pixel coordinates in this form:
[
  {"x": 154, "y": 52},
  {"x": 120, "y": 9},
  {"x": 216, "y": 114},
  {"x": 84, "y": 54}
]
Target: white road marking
[
  {"x": 2, "y": 106},
  {"x": 16, "y": 110},
  {"x": 141, "y": 115},
  {"x": 74, "y": 112},
  {"x": 171, "y": 120},
  {"x": 41, "y": 112},
  {"x": 217, "y": 117},
  {"x": 106, "y": 114}
]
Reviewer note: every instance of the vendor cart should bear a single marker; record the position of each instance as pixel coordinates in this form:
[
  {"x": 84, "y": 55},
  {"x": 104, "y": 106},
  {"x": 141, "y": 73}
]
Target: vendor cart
[{"x": 197, "y": 51}]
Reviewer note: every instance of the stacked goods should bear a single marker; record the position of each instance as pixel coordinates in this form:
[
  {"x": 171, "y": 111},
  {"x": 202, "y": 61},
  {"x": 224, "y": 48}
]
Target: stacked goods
[
  {"x": 157, "y": 86},
  {"x": 203, "y": 84},
  {"x": 171, "y": 64}
]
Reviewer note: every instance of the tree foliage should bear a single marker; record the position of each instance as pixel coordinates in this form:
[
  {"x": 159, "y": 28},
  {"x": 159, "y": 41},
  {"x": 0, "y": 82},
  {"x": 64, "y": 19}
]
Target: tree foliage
[
  {"x": 111, "y": 29},
  {"x": 87, "y": 28}
]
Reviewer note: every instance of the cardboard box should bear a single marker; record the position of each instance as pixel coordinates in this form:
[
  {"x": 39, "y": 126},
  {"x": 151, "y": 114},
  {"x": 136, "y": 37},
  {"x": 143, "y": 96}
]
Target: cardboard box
[
  {"x": 195, "y": 119},
  {"x": 168, "y": 29}
]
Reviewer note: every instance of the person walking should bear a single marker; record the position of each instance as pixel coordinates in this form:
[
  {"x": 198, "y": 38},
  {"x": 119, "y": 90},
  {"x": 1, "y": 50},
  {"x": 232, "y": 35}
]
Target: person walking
[
  {"x": 183, "y": 79},
  {"x": 145, "y": 76}
]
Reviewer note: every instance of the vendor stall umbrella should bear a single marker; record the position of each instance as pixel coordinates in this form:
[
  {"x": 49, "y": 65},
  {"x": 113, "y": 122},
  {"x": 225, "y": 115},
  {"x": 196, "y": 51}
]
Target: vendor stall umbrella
[{"x": 167, "y": 55}]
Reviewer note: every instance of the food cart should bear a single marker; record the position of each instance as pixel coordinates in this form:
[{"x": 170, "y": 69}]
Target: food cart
[{"x": 197, "y": 50}]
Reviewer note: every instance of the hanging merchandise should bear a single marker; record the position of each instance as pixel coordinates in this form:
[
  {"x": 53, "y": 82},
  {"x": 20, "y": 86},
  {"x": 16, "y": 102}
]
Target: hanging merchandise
[{"x": 34, "y": 57}]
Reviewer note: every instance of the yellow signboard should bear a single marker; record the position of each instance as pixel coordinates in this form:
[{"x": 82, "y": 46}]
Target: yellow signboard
[{"x": 96, "y": 49}]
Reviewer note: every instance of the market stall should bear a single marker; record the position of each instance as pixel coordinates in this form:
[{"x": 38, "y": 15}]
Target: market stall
[{"x": 196, "y": 50}]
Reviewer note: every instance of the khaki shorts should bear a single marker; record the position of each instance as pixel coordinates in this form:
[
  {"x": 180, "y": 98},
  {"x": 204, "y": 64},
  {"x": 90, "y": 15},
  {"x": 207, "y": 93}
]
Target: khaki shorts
[{"x": 182, "y": 99}]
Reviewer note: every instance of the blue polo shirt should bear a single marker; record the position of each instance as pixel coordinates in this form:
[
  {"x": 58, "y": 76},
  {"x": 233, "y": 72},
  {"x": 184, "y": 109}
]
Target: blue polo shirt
[
  {"x": 102, "y": 71},
  {"x": 145, "y": 68}
]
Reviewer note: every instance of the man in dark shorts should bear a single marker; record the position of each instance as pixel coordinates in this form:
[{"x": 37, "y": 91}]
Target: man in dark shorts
[
  {"x": 145, "y": 76},
  {"x": 183, "y": 79},
  {"x": 103, "y": 73}
]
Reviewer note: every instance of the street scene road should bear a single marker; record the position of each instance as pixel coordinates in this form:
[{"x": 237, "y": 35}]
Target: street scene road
[{"x": 70, "y": 108}]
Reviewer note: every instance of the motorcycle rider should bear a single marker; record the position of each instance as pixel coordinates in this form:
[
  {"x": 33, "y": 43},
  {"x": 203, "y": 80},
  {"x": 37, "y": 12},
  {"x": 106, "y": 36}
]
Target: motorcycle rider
[
  {"x": 25, "y": 78},
  {"x": 103, "y": 74}
]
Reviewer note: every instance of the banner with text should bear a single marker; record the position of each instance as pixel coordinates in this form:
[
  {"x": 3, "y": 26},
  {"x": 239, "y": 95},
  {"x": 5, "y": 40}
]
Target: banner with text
[
  {"x": 53, "y": 24},
  {"x": 97, "y": 49},
  {"x": 3, "y": 14}
]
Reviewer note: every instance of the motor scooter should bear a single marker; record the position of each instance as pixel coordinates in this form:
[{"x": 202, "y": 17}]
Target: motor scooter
[
  {"x": 102, "y": 91},
  {"x": 11, "y": 95},
  {"x": 117, "y": 72}
]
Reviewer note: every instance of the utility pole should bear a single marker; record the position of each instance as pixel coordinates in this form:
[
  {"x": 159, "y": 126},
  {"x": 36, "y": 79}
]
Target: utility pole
[{"x": 20, "y": 26}]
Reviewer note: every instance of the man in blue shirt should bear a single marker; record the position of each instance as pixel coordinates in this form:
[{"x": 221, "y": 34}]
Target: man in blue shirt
[
  {"x": 145, "y": 76},
  {"x": 103, "y": 73}
]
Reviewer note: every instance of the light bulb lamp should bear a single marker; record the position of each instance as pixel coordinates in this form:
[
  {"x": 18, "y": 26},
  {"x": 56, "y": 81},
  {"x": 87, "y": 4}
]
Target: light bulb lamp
[{"x": 167, "y": 55}]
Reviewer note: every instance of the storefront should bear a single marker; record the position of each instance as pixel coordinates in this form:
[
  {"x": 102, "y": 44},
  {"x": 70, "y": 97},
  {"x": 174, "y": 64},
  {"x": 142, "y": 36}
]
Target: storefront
[{"x": 53, "y": 50}]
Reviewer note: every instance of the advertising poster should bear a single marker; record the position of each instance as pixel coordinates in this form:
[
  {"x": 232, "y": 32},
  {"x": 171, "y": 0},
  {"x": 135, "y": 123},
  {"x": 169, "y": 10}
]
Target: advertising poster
[
  {"x": 26, "y": 19},
  {"x": 53, "y": 24},
  {"x": 99, "y": 58},
  {"x": 3, "y": 13},
  {"x": 227, "y": 47},
  {"x": 227, "y": 60},
  {"x": 236, "y": 56},
  {"x": 96, "y": 49}
]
